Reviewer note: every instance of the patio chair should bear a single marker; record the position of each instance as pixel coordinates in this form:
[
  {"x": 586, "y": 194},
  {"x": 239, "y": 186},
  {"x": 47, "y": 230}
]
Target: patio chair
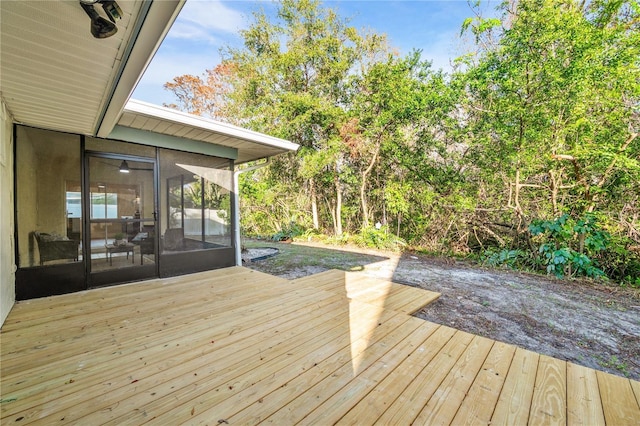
[
  {"x": 173, "y": 239},
  {"x": 56, "y": 247},
  {"x": 147, "y": 244}
]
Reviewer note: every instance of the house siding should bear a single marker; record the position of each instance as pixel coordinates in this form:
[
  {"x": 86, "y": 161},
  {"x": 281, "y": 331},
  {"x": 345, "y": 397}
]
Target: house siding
[{"x": 7, "y": 251}]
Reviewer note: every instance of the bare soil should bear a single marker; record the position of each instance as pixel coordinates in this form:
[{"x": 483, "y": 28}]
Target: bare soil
[{"x": 590, "y": 324}]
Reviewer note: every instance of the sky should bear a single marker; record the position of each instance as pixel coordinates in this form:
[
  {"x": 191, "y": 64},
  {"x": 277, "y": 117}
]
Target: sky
[{"x": 203, "y": 27}]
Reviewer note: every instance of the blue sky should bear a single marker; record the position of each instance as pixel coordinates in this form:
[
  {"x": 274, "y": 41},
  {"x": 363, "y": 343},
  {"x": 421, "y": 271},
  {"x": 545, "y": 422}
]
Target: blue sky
[{"x": 204, "y": 26}]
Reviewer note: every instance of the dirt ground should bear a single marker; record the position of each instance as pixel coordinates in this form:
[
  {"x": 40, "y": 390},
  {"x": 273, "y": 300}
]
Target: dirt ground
[{"x": 587, "y": 323}]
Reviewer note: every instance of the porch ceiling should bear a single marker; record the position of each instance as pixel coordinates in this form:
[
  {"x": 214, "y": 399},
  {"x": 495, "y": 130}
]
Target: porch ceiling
[
  {"x": 55, "y": 75},
  {"x": 250, "y": 145}
]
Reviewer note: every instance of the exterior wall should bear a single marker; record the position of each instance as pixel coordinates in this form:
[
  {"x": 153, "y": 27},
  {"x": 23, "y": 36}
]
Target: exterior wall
[{"x": 7, "y": 252}]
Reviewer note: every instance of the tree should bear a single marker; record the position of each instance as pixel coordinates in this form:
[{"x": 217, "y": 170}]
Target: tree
[
  {"x": 208, "y": 96},
  {"x": 390, "y": 96},
  {"x": 553, "y": 103},
  {"x": 552, "y": 107},
  {"x": 294, "y": 78}
]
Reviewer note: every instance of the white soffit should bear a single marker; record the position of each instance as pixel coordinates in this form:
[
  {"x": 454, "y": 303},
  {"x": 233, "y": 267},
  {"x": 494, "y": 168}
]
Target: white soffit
[
  {"x": 54, "y": 74},
  {"x": 156, "y": 119}
]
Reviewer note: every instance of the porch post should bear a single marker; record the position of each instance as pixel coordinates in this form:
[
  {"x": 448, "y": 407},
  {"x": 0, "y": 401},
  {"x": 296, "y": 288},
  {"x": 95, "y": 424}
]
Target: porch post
[{"x": 236, "y": 207}]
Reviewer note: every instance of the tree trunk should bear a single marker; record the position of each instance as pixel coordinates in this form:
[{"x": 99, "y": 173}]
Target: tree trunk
[
  {"x": 363, "y": 187},
  {"x": 314, "y": 203},
  {"x": 554, "y": 191},
  {"x": 516, "y": 194},
  {"x": 332, "y": 210},
  {"x": 338, "y": 220}
]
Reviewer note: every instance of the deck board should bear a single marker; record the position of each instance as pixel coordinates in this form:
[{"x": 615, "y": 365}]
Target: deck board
[
  {"x": 584, "y": 406},
  {"x": 478, "y": 405},
  {"x": 241, "y": 347},
  {"x": 619, "y": 403},
  {"x": 514, "y": 402},
  {"x": 549, "y": 393},
  {"x": 418, "y": 392},
  {"x": 445, "y": 402},
  {"x": 382, "y": 396},
  {"x": 375, "y": 291}
]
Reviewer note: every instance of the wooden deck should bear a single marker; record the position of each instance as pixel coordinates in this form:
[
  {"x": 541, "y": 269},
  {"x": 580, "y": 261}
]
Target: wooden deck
[{"x": 236, "y": 346}]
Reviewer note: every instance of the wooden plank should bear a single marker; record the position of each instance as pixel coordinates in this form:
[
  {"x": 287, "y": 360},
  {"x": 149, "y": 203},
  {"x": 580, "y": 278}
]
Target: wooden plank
[
  {"x": 584, "y": 406},
  {"x": 411, "y": 299},
  {"x": 372, "y": 290},
  {"x": 635, "y": 385},
  {"x": 143, "y": 367},
  {"x": 280, "y": 379},
  {"x": 332, "y": 280},
  {"x": 514, "y": 402},
  {"x": 477, "y": 407},
  {"x": 127, "y": 388},
  {"x": 619, "y": 403},
  {"x": 444, "y": 403},
  {"x": 549, "y": 404},
  {"x": 189, "y": 348},
  {"x": 334, "y": 408},
  {"x": 55, "y": 341},
  {"x": 417, "y": 393},
  {"x": 79, "y": 311},
  {"x": 373, "y": 405},
  {"x": 299, "y": 407},
  {"x": 420, "y": 299},
  {"x": 268, "y": 403},
  {"x": 97, "y": 367},
  {"x": 215, "y": 389},
  {"x": 90, "y": 337},
  {"x": 44, "y": 310}
]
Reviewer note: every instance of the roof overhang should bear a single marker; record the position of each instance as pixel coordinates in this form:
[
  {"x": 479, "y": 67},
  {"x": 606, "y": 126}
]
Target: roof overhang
[
  {"x": 55, "y": 75},
  {"x": 150, "y": 124}
]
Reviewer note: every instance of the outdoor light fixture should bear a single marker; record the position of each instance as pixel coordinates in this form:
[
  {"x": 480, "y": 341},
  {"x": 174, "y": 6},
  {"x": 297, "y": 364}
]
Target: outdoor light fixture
[
  {"x": 124, "y": 167},
  {"x": 100, "y": 27}
]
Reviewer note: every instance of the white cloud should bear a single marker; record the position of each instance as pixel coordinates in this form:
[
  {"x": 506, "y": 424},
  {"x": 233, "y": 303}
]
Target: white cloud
[{"x": 202, "y": 19}]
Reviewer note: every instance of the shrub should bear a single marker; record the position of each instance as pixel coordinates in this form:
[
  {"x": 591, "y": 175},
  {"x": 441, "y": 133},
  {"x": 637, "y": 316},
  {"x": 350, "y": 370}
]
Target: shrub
[
  {"x": 567, "y": 246},
  {"x": 288, "y": 232},
  {"x": 513, "y": 259},
  {"x": 380, "y": 238}
]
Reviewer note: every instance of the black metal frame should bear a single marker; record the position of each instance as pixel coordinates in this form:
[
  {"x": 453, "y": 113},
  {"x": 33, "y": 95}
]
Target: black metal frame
[
  {"x": 132, "y": 273},
  {"x": 72, "y": 277},
  {"x": 51, "y": 279}
]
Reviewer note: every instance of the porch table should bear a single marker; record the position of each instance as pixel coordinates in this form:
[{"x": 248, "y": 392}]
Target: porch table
[{"x": 125, "y": 248}]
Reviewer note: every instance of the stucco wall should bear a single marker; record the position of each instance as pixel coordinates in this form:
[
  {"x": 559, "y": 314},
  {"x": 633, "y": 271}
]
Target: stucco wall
[{"x": 7, "y": 254}]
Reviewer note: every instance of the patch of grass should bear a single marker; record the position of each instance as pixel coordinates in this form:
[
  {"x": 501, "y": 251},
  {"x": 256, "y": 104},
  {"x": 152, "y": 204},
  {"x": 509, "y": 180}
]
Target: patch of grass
[
  {"x": 292, "y": 256},
  {"x": 614, "y": 363}
]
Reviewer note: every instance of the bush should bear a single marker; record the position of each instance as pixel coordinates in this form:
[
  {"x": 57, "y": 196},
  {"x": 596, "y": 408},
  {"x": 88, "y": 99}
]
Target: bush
[
  {"x": 380, "y": 238},
  {"x": 567, "y": 246},
  {"x": 513, "y": 259},
  {"x": 621, "y": 261},
  {"x": 288, "y": 232}
]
